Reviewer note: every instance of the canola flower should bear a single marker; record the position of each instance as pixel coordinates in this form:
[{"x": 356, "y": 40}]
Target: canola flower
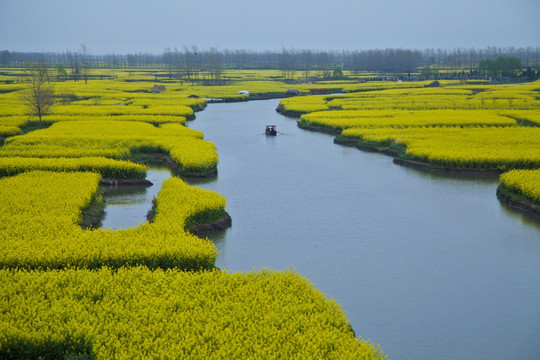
[
  {"x": 526, "y": 117},
  {"x": 6, "y": 131},
  {"x": 386, "y": 96},
  {"x": 112, "y": 139},
  {"x": 524, "y": 182},
  {"x": 344, "y": 119},
  {"x": 112, "y": 110},
  {"x": 151, "y": 118},
  {"x": 129, "y": 313},
  {"x": 108, "y": 168},
  {"x": 455, "y": 126},
  {"x": 104, "y": 100},
  {"x": 450, "y": 97},
  {"x": 40, "y": 213},
  {"x": 497, "y": 148},
  {"x": 304, "y": 104}
]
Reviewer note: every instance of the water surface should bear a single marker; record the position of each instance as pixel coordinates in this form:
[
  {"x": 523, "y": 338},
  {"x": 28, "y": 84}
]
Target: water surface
[
  {"x": 429, "y": 266},
  {"x": 128, "y": 205}
]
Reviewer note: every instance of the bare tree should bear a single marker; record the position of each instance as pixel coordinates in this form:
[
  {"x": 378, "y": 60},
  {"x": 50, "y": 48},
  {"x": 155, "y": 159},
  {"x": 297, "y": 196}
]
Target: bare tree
[
  {"x": 306, "y": 56},
  {"x": 324, "y": 63},
  {"x": 38, "y": 97},
  {"x": 189, "y": 63},
  {"x": 286, "y": 63},
  {"x": 85, "y": 63},
  {"x": 74, "y": 65},
  {"x": 168, "y": 59},
  {"x": 214, "y": 66}
]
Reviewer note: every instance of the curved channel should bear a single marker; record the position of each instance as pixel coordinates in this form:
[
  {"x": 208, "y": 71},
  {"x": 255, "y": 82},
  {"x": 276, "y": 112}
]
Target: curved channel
[
  {"x": 127, "y": 205},
  {"x": 429, "y": 266}
]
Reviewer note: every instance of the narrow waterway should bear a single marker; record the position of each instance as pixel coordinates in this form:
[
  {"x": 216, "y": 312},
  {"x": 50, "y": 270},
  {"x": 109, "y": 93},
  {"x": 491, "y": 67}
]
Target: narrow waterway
[
  {"x": 128, "y": 205},
  {"x": 429, "y": 266}
]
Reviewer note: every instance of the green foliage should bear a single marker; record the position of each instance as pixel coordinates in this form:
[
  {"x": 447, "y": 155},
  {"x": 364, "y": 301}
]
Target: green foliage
[
  {"x": 61, "y": 72},
  {"x": 502, "y": 66},
  {"x": 337, "y": 73},
  {"x": 429, "y": 72}
]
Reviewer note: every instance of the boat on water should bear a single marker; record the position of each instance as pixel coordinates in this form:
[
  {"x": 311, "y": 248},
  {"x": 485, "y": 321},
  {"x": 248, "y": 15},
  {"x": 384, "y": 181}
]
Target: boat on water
[{"x": 271, "y": 130}]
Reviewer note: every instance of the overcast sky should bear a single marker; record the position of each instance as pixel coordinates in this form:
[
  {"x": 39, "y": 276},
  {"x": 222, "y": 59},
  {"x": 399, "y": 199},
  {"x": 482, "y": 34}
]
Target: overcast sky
[{"x": 124, "y": 26}]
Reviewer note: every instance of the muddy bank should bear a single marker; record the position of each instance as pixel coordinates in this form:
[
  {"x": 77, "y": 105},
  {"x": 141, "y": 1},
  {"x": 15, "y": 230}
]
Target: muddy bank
[
  {"x": 116, "y": 182},
  {"x": 249, "y": 98},
  {"x": 303, "y": 125},
  {"x": 202, "y": 230},
  {"x": 93, "y": 214},
  {"x": 356, "y": 144},
  {"x": 395, "y": 152},
  {"x": 427, "y": 167},
  {"x": 293, "y": 114},
  {"x": 518, "y": 202}
]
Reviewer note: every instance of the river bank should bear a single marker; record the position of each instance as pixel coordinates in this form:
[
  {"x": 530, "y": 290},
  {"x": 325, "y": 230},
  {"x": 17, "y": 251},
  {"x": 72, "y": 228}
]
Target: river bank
[
  {"x": 518, "y": 202},
  {"x": 406, "y": 253},
  {"x": 166, "y": 160},
  {"x": 393, "y": 150}
]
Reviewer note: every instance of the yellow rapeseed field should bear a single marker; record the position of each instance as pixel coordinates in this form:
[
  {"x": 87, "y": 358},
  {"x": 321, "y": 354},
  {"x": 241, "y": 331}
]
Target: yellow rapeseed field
[
  {"x": 501, "y": 148},
  {"x": 112, "y": 139},
  {"x": 40, "y": 213},
  {"x": 131, "y": 313},
  {"x": 524, "y": 182}
]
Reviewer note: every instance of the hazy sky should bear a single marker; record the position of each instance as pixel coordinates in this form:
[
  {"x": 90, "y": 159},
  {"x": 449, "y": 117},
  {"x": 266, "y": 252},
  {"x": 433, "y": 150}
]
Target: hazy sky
[{"x": 123, "y": 26}]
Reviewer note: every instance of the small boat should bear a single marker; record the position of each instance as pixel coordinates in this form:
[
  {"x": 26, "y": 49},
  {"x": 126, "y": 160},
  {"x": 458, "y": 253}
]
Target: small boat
[{"x": 271, "y": 130}]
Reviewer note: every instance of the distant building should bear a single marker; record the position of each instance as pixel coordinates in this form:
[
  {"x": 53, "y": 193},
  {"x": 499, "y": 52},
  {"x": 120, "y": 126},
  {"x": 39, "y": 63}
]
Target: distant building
[
  {"x": 158, "y": 88},
  {"x": 292, "y": 92}
]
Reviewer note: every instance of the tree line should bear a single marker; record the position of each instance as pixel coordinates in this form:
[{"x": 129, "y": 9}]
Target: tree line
[{"x": 206, "y": 65}]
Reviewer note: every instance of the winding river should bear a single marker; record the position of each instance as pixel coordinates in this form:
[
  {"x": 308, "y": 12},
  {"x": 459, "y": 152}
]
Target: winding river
[{"x": 429, "y": 266}]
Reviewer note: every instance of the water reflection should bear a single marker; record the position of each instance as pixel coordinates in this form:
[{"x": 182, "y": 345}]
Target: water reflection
[
  {"x": 128, "y": 205},
  {"x": 525, "y": 219},
  {"x": 124, "y": 195}
]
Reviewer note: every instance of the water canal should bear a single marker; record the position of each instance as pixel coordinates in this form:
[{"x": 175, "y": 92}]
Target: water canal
[{"x": 429, "y": 266}]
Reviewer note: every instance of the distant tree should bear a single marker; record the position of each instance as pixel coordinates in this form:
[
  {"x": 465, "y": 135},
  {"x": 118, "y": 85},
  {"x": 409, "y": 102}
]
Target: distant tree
[
  {"x": 131, "y": 60},
  {"x": 323, "y": 59},
  {"x": 168, "y": 60},
  {"x": 85, "y": 62},
  {"x": 214, "y": 66},
  {"x": 189, "y": 64},
  {"x": 4, "y": 57},
  {"x": 429, "y": 72},
  {"x": 502, "y": 66},
  {"x": 286, "y": 63},
  {"x": 530, "y": 74},
  {"x": 508, "y": 66},
  {"x": 74, "y": 65},
  {"x": 38, "y": 97},
  {"x": 61, "y": 73},
  {"x": 487, "y": 66},
  {"x": 306, "y": 58},
  {"x": 337, "y": 73}
]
